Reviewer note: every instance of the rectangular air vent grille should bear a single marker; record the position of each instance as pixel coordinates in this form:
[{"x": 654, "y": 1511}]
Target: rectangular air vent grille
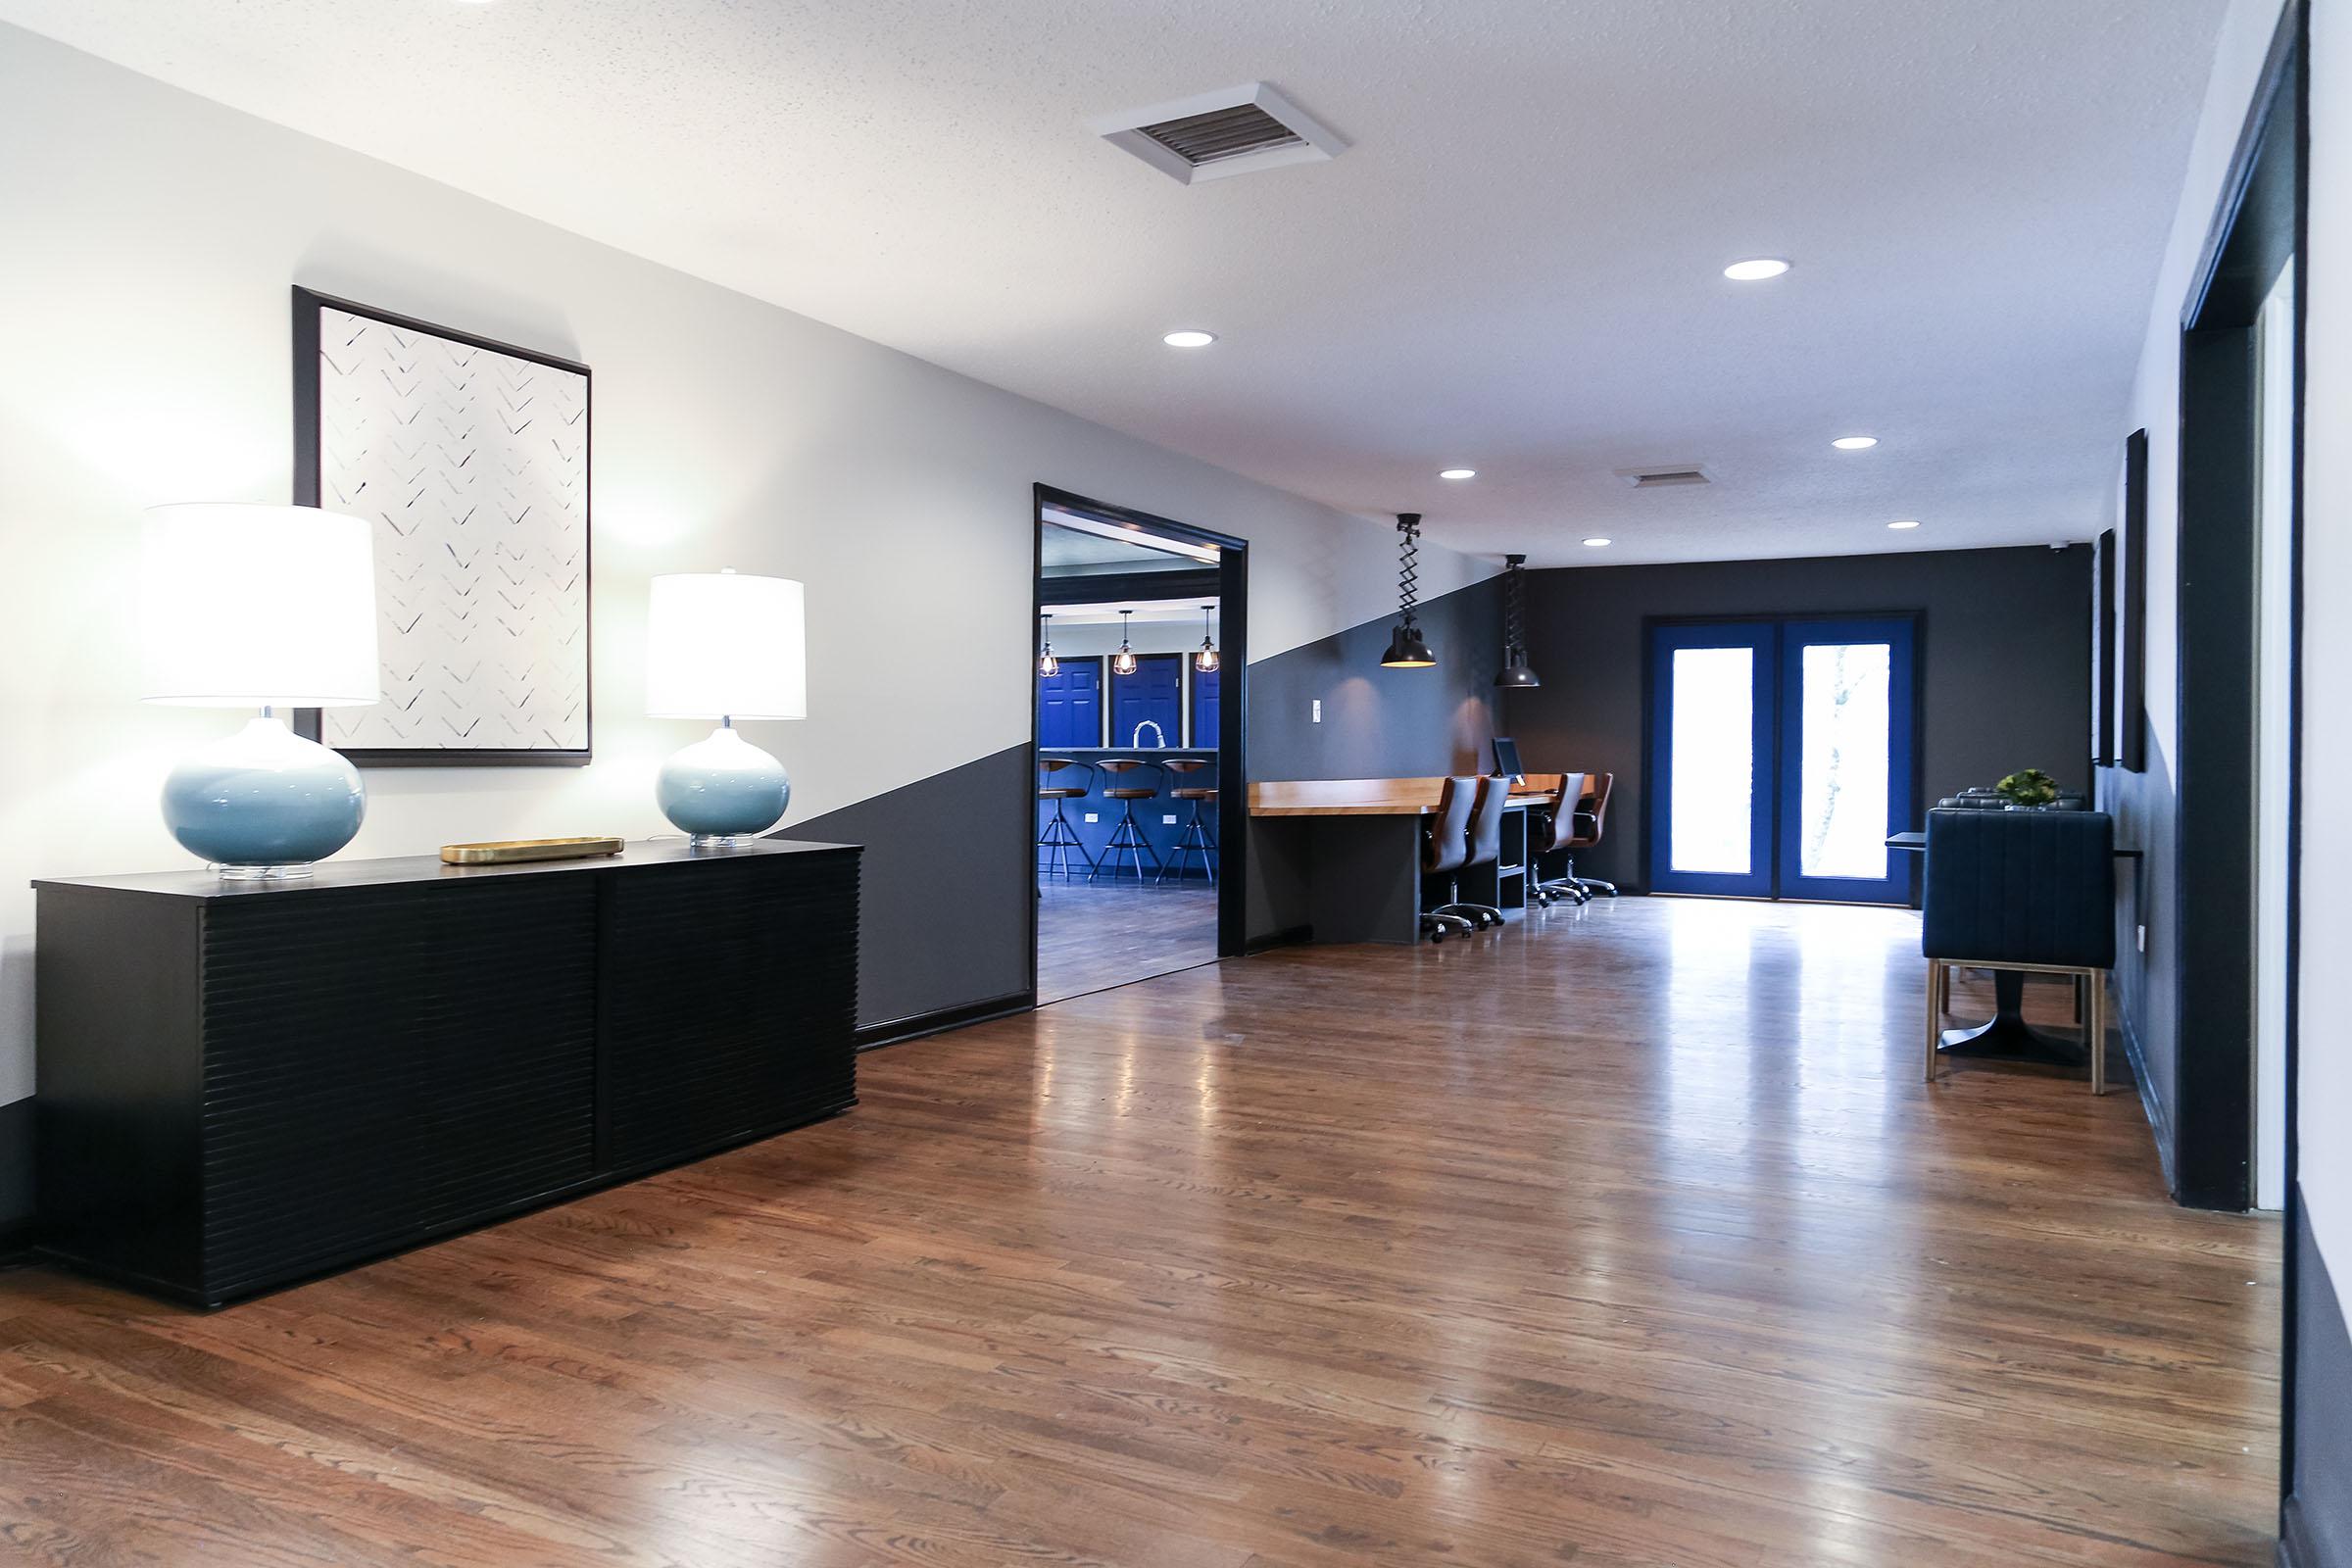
[
  {"x": 1234, "y": 130},
  {"x": 1223, "y": 133},
  {"x": 1664, "y": 477}
]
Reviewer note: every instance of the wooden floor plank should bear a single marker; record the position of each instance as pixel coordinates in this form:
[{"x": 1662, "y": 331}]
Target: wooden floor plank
[{"x": 1625, "y": 1236}]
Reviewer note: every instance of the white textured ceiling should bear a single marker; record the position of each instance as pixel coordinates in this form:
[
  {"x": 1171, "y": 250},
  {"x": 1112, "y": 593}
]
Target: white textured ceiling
[{"x": 1516, "y": 266}]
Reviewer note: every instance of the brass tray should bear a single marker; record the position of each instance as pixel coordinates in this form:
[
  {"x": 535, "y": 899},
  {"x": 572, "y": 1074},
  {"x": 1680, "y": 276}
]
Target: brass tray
[{"x": 511, "y": 852}]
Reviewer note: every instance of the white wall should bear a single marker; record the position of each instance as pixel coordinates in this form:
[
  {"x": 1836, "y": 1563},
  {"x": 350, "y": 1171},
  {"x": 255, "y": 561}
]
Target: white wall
[
  {"x": 151, "y": 240},
  {"x": 2324, "y": 1105}
]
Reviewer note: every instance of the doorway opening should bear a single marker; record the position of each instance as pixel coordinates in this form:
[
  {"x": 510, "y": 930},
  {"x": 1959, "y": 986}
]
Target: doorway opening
[
  {"x": 1783, "y": 753},
  {"x": 1137, "y": 812}
]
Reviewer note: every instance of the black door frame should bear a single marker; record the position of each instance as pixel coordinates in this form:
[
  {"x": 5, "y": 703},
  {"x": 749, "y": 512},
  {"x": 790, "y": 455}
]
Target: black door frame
[
  {"x": 2259, "y": 222},
  {"x": 2257, "y": 228},
  {"x": 1232, "y": 698}
]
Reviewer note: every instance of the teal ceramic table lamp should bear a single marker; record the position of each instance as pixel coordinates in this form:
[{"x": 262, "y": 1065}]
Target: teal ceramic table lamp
[
  {"x": 270, "y": 608},
  {"x": 726, "y": 645}
]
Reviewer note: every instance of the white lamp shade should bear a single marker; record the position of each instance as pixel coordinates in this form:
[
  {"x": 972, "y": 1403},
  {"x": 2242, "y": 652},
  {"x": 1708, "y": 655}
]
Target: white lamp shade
[
  {"x": 246, "y": 606},
  {"x": 727, "y": 644}
]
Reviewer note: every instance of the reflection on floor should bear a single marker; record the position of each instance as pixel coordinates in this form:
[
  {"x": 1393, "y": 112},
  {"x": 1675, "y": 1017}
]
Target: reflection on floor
[
  {"x": 1627, "y": 1236},
  {"x": 1108, "y": 934}
]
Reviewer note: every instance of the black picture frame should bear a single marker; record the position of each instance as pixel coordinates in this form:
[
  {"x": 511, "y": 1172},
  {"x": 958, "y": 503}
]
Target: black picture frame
[
  {"x": 2105, "y": 698},
  {"x": 2131, "y": 700},
  {"x": 309, "y": 467}
]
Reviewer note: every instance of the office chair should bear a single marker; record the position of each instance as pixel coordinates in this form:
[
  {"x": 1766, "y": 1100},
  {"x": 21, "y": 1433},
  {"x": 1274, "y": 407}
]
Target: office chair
[
  {"x": 1591, "y": 814},
  {"x": 1553, "y": 832},
  {"x": 1482, "y": 846},
  {"x": 1059, "y": 838},
  {"x": 1444, "y": 847}
]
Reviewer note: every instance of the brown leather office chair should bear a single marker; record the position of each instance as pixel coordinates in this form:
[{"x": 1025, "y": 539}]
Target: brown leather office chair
[
  {"x": 1445, "y": 848},
  {"x": 1483, "y": 846},
  {"x": 1591, "y": 815},
  {"x": 1553, "y": 832}
]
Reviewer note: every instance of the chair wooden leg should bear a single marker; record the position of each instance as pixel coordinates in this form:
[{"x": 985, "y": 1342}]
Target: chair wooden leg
[
  {"x": 2095, "y": 1028},
  {"x": 1938, "y": 978}
]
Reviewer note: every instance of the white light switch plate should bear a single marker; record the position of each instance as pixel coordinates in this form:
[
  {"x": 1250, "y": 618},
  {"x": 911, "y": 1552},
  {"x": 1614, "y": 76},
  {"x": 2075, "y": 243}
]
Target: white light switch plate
[
  {"x": 1318, "y": 709},
  {"x": 2143, "y": 939}
]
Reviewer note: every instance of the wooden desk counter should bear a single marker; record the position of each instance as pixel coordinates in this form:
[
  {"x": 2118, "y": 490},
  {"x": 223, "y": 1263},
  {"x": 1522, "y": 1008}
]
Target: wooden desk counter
[{"x": 1373, "y": 797}]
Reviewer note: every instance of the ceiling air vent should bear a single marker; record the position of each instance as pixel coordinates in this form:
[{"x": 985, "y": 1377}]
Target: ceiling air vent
[
  {"x": 1209, "y": 136},
  {"x": 1664, "y": 475}
]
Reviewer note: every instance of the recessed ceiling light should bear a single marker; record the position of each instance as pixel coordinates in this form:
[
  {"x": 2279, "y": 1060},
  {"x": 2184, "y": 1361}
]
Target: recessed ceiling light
[
  {"x": 1458, "y": 474},
  {"x": 1595, "y": 544},
  {"x": 1907, "y": 522},
  {"x": 1855, "y": 443},
  {"x": 1756, "y": 270},
  {"x": 1190, "y": 338}
]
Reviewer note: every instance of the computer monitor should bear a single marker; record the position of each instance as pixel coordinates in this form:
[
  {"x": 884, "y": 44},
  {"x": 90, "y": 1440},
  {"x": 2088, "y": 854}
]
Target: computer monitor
[{"x": 1506, "y": 760}]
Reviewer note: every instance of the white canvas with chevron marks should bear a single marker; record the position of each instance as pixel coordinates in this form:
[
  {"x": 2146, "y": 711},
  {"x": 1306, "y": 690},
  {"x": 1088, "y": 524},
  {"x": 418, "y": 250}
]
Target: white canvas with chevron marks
[{"x": 474, "y": 467}]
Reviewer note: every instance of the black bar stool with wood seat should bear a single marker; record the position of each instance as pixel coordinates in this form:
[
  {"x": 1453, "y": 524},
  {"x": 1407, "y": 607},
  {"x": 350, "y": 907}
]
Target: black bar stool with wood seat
[
  {"x": 1196, "y": 839},
  {"x": 1059, "y": 838},
  {"x": 1127, "y": 834}
]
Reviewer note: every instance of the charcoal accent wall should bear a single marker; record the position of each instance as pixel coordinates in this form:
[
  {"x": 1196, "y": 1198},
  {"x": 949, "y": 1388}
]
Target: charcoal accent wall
[
  {"x": 2006, "y": 667},
  {"x": 1377, "y": 723},
  {"x": 2318, "y": 1520},
  {"x": 943, "y": 912},
  {"x": 16, "y": 1170},
  {"x": 2146, "y": 805}
]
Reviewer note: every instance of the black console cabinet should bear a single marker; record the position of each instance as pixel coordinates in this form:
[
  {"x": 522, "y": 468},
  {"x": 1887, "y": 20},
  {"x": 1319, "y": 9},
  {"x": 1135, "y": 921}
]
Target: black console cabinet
[{"x": 242, "y": 1085}]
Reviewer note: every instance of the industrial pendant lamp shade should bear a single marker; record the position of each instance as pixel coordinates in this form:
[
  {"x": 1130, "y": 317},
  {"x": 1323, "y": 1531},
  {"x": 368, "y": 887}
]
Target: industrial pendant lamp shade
[
  {"x": 1123, "y": 662},
  {"x": 1047, "y": 664},
  {"x": 1407, "y": 649},
  {"x": 1207, "y": 659},
  {"x": 1515, "y": 673}
]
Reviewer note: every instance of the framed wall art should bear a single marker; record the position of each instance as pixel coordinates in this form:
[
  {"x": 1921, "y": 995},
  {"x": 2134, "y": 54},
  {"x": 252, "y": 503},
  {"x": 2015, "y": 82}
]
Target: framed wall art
[{"x": 470, "y": 460}]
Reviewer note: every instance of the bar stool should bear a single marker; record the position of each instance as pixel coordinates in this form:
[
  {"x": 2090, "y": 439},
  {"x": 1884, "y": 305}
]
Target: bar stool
[
  {"x": 1196, "y": 839},
  {"x": 1127, "y": 834},
  {"x": 1059, "y": 838}
]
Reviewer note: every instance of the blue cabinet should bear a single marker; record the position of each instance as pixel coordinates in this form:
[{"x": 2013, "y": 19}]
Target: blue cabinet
[
  {"x": 1070, "y": 705},
  {"x": 1204, "y": 705},
  {"x": 1153, "y": 695}
]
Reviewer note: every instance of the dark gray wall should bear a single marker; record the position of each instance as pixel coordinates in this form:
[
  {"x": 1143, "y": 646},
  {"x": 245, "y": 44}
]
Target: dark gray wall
[
  {"x": 1377, "y": 723},
  {"x": 2319, "y": 1509},
  {"x": 15, "y": 1167},
  {"x": 944, "y": 917},
  {"x": 2146, "y": 807},
  {"x": 2006, "y": 665}
]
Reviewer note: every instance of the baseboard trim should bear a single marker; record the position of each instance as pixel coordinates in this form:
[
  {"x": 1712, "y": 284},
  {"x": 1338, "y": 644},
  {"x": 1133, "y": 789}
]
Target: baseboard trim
[
  {"x": 2151, "y": 1104},
  {"x": 1295, "y": 936},
  {"x": 915, "y": 1026}
]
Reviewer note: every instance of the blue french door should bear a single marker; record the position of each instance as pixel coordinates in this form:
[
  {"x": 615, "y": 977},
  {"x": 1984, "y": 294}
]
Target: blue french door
[
  {"x": 1204, "y": 705},
  {"x": 1780, "y": 758}
]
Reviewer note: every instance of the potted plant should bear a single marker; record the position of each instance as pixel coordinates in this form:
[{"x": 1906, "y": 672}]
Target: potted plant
[{"x": 2029, "y": 788}]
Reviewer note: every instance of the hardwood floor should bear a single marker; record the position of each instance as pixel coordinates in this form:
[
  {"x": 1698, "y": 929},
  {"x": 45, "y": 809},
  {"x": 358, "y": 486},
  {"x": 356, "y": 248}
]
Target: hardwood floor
[
  {"x": 1630, "y": 1237},
  {"x": 1111, "y": 934}
]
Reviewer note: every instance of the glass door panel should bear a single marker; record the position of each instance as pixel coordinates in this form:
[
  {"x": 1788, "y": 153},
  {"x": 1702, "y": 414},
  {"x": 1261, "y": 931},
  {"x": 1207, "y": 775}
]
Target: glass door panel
[
  {"x": 1845, "y": 759},
  {"x": 1713, "y": 731}
]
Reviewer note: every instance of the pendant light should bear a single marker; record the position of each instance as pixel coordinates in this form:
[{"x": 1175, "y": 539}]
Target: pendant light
[
  {"x": 1047, "y": 664},
  {"x": 1515, "y": 672},
  {"x": 1207, "y": 659},
  {"x": 1123, "y": 662},
  {"x": 1406, "y": 648}
]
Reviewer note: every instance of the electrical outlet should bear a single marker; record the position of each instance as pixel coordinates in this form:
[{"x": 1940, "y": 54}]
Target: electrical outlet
[
  {"x": 1318, "y": 709},
  {"x": 1092, "y": 817},
  {"x": 1169, "y": 820},
  {"x": 2143, "y": 939}
]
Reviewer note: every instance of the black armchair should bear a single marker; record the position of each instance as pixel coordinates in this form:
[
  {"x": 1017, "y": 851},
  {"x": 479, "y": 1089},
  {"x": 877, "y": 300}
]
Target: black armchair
[{"x": 2017, "y": 893}]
